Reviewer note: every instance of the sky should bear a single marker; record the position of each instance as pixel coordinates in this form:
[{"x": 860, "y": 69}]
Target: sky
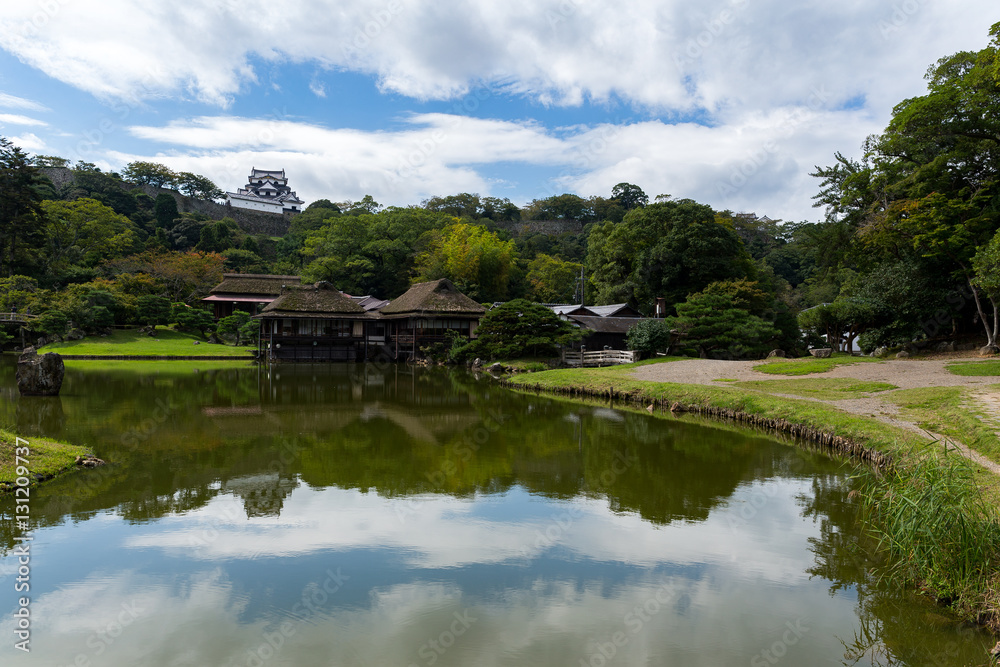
[{"x": 728, "y": 102}]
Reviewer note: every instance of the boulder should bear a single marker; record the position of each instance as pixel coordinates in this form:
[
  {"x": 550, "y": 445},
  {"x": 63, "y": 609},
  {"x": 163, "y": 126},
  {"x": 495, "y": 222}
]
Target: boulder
[
  {"x": 41, "y": 341},
  {"x": 902, "y": 354},
  {"x": 39, "y": 375},
  {"x": 947, "y": 346},
  {"x": 496, "y": 367},
  {"x": 988, "y": 350},
  {"x": 776, "y": 353},
  {"x": 822, "y": 352},
  {"x": 881, "y": 352},
  {"x": 76, "y": 334},
  {"x": 197, "y": 342}
]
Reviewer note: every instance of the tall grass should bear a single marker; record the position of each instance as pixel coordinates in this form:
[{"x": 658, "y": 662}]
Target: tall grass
[{"x": 930, "y": 516}]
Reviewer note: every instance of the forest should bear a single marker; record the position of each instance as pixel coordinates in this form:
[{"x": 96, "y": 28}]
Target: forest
[{"x": 907, "y": 247}]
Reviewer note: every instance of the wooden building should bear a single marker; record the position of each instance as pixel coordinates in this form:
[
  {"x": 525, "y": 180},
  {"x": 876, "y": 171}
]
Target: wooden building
[
  {"x": 315, "y": 323},
  {"x": 425, "y": 314},
  {"x": 249, "y": 292}
]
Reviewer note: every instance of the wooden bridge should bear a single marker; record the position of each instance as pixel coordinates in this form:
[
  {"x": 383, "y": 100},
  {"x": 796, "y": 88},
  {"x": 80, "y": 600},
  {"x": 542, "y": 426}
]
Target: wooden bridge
[
  {"x": 20, "y": 318},
  {"x": 598, "y": 358}
]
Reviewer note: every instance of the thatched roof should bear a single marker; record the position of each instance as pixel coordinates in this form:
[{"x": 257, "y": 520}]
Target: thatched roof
[
  {"x": 319, "y": 300},
  {"x": 253, "y": 283},
  {"x": 434, "y": 297}
]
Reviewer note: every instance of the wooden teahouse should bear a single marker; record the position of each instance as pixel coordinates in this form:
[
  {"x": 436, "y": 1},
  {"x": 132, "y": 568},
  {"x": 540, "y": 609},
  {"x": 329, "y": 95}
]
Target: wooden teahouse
[
  {"x": 314, "y": 323},
  {"x": 425, "y": 313},
  {"x": 249, "y": 292}
]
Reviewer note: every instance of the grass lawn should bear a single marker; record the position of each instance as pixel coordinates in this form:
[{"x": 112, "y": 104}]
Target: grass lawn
[
  {"x": 830, "y": 389},
  {"x": 947, "y": 410},
  {"x": 810, "y": 365},
  {"x": 876, "y": 434},
  {"x": 45, "y": 457},
  {"x": 975, "y": 368},
  {"x": 129, "y": 342}
]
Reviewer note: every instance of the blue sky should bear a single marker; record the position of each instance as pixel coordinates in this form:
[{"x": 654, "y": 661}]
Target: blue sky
[{"x": 729, "y": 102}]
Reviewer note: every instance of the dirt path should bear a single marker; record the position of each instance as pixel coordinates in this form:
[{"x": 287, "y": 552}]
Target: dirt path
[{"x": 904, "y": 373}]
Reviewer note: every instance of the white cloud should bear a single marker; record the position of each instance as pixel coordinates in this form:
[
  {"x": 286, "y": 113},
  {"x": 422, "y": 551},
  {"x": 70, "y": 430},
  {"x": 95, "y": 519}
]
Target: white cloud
[
  {"x": 29, "y": 142},
  {"x": 317, "y": 89},
  {"x": 756, "y": 163},
  {"x": 663, "y": 54},
  {"x": 14, "y": 102},
  {"x": 16, "y": 119}
]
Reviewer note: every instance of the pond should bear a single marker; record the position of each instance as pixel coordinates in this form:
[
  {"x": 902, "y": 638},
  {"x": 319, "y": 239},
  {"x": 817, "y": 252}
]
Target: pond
[{"x": 363, "y": 515}]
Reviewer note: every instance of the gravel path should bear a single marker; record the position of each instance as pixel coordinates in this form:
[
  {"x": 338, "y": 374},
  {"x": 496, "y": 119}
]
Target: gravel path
[{"x": 904, "y": 373}]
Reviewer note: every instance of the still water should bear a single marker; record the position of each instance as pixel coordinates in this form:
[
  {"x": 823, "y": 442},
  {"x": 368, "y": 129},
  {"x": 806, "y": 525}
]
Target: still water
[{"x": 352, "y": 515}]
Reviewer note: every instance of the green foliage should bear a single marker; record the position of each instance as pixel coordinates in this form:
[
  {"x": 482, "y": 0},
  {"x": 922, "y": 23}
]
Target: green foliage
[
  {"x": 323, "y": 203},
  {"x": 165, "y": 210},
  {"x": 474, "y": 207},
  {"x": 629, "y": 196},
  {"x": 197, "y": 186},
  {"x": 650, "y": 336},
  {"x": 192, "y": 319},
  {"x": 519, "y": 328},
  {"x": 149, "y": 173},
  {"x": 670, "y": 249},
  {"x": 84, "y": 233},
  {"x": 244, "y": 261},
  {"x": 365, "y": 254},
  {"x": 51, "y": 322},
  {"x": 472, "y": 257},
  {"x": 552, "y": 280},
  {"x": 929, "y": 514},
  {"x": 22, "y": 219},
  {"x": 235, "y": 326},
  {"x": 152, "y": 310},
  {"x": 718, "y": 329}
]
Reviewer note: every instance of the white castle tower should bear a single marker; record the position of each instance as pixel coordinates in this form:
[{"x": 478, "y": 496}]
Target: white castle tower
[{"x": 266, "y": 191}]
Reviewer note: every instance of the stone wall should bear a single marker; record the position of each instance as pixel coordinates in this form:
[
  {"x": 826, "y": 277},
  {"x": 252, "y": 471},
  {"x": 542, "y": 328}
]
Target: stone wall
[{"x": 252, "y": 222}]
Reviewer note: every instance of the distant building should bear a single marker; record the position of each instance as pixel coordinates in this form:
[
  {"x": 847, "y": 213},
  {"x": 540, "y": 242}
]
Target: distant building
[{"x": 266, "y": 190}]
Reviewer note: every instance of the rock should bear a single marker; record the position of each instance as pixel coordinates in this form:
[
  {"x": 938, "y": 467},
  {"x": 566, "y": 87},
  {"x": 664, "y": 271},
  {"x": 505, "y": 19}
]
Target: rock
[
  {"x": 89, "y": 461},
  {"x": 988, "y": 350},
  {"x": 76, "y": 334},
  {"x": 966, "y": 347},
  {"x": 41, "y": 341},
  {"x": 39, "y": 375},
  {"x": 197, "y": 342},
  {"x": 822, "y": 352},
  {"x": 478, "y": 363},
  {"x": 995, "y": 651},
  {"x": 776, "y": 353},
  {"x": 903, "y": 354},
  {"x": 881, "y": 352},
  {"x": 677, "y": 407},
  {"x": 947, "y": 346},
  {"x": 649, "y": 408},
  {"x": 496, "y": 367}
]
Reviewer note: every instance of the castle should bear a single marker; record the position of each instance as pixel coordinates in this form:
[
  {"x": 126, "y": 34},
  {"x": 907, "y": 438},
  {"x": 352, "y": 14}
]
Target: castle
[{"x": 266, "y": 191}]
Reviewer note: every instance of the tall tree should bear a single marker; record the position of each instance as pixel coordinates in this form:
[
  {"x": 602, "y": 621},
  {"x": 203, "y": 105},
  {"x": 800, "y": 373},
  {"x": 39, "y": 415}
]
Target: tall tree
[
  {"x": 629, "y": 196},
  {"x": 21, "y": 215},
  {"x": 149, "y": 173}
]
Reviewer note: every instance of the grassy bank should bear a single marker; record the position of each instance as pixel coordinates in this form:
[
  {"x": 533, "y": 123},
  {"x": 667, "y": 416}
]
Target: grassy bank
[
  {"x": 46, "y": 459},
  {"x": 131, "y": 343},
  {"x": 810, "y": 365},
  {"x": 145, "y": 367},
  {"x": 933, "y": 513}
]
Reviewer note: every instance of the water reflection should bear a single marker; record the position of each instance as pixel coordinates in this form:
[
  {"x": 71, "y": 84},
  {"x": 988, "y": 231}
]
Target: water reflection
[{"x": 354, "y": 515}]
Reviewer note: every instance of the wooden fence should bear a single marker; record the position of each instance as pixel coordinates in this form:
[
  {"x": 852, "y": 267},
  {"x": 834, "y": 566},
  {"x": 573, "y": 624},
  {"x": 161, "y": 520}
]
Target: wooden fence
[
  {"x": 598, "y": 358},
  {"x": 16, "y": 317}
]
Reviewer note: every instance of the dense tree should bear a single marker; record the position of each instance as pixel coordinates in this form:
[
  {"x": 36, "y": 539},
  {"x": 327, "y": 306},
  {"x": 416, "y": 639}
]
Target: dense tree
[
  {"x": 192, "y": 318},
  {"x": 84, "y": 232},
  {"x": 367, "y": 254},
  {"x": 235, "y": 326},
  {"x": 472, "y": 257},
  {"x": 165, "y": 210},
  {"x": 669, "y": 250},
  {"x": 474, "y": 207},
  {"x": 324, "y": 204},
  {"x": 21, "y": 215},
  {"x": 629, "y": 196},
  {"x": 153, "y": 310},
  {"x": 149, "y": 173},
  {"x": 716, "y": 328},
  {"x": 552, "y": 280},
  {"x": 519, "y": 328},
  {"x": 197, "y": 186},
  {"x": 559, "y": 207},
  {"x": 650, "y": 336}
]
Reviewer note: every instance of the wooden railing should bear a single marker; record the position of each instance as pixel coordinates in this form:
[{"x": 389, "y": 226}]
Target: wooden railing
[
  {"x": 598, "y": 358},
  {"x": 16, "y": 317}
]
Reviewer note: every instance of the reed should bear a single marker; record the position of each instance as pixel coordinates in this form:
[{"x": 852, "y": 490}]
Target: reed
[{"x": 930, "y": 516}]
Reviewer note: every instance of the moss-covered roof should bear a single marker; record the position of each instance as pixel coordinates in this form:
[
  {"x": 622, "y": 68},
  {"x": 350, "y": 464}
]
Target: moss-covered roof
[
  {"x": 436, "y": 296},
  {"x": 253, "y": 283},
  {"x": 321, "y": 299}
]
